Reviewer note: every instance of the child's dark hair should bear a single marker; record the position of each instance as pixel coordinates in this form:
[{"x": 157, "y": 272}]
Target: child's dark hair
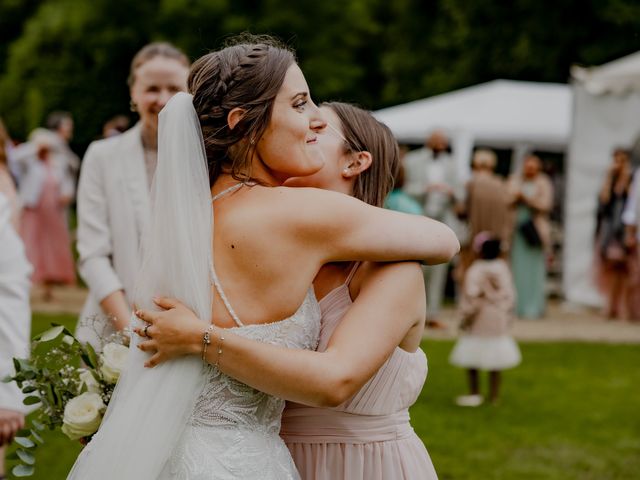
[{"x": 490, "y": 249}]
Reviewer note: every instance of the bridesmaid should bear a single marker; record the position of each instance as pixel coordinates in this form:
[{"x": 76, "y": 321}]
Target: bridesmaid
[
  {"x": 113, "y": 194},
  {"x": 367, "y": 374}
]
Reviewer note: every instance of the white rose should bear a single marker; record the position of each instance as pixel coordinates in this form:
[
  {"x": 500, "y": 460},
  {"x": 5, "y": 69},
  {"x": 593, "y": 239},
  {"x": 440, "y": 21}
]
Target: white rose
[
  {"x": 82, "y": 415},
  {"x": 87, "y": 379},
  {"x": 113, "y": 360}
]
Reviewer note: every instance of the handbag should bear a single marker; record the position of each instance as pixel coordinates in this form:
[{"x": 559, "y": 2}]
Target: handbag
[{"x": 530, "y": 233}]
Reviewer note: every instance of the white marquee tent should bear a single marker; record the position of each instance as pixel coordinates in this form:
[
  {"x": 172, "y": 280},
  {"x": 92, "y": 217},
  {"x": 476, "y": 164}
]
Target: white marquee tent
[
  {"x": 606, "y": 115},
  {"x": 501, "y": 114}
]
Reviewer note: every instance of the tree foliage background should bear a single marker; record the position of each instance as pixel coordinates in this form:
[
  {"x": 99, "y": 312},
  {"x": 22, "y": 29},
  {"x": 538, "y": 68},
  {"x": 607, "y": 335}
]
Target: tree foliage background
[{"x": 74, "y": 54}]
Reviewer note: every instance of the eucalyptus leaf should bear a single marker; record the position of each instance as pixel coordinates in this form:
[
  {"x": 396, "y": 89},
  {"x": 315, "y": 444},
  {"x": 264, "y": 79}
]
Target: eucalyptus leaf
[
  {"x": 29, "y": 389},
  {"x": 51, "y": 334},
  {"x": 37, "y": 425},
  {"x": 36, "y": 436},
  {"x": 7, "y": 379},
  {"x": 25, "y": 457},
  {"x": 23, "y": 470},
  {"x": 24, "y": 442}
]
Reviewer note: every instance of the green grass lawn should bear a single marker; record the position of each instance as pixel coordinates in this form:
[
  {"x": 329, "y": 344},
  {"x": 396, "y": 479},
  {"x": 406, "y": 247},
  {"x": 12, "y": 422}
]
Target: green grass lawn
[{"x": 570, "y": 411}]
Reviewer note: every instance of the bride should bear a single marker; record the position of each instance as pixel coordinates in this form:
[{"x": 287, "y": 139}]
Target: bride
[{"x": 251, "y": 120}]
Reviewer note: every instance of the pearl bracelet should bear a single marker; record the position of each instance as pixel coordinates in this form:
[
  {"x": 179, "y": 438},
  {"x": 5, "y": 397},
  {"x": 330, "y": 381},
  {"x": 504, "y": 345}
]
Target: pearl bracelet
[{"x": 206, "y": 341}]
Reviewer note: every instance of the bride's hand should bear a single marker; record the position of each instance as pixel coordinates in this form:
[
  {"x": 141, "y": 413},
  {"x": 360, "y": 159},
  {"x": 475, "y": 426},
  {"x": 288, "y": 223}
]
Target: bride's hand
[{"x": 175, "y": 331}]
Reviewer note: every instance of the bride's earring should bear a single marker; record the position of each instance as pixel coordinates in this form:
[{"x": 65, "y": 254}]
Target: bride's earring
[{"x": 132, "y": 106}]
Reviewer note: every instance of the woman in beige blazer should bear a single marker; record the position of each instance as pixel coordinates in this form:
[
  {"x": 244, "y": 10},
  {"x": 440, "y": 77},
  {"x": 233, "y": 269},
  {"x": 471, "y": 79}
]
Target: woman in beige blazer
[
  {"x": 531, "y": 196},
  {"x": 113, "y": 194}
]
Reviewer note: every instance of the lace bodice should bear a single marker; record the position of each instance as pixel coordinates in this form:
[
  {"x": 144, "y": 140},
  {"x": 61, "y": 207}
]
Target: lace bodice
[{"x": 226, "y": 402}]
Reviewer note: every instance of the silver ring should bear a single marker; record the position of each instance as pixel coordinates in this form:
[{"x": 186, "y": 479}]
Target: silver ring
[{"x": 144, "y": 331}]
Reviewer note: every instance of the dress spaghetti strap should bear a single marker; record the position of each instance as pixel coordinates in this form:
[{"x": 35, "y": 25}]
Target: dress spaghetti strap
[
  {"x": 214, "y": 277},
  {"x": 352, "y": 273}
]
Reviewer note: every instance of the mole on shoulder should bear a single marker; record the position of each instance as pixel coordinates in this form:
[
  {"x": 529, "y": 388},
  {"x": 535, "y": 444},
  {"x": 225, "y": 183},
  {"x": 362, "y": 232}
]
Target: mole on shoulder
[{"x": 233, "y": 246}]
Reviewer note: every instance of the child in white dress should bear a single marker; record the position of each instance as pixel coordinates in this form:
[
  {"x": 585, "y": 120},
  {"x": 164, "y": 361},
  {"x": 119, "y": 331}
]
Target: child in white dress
[{"x": 486, "y": 308}]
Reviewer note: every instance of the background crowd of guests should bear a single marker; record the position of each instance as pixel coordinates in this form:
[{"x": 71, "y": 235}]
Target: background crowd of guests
[
  {"x": 518, "y": 210},
  {"x": 515, "y": 211}
]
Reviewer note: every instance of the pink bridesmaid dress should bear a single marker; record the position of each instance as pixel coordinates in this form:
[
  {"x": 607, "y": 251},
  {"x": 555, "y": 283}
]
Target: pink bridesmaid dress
[
  {"x": 368, "y": 437},
  {"x": 46, "y": 236}
]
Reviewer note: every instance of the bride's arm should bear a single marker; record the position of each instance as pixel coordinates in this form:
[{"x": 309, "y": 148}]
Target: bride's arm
[
  {"x": 390, "y": 303},
  {"x": 344, "y": 228}
]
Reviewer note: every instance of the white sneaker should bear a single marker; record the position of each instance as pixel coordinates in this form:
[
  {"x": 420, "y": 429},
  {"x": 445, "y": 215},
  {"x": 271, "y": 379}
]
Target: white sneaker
[{"x": 469, "y": 400}]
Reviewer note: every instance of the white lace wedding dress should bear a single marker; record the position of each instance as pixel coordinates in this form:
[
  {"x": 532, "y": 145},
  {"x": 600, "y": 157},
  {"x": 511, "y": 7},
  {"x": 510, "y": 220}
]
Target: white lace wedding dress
[{"x": 233, "y": 432}]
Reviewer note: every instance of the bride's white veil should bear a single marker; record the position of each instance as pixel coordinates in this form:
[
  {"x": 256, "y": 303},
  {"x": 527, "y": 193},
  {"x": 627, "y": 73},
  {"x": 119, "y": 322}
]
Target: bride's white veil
[{"x": 150, "y": 407}]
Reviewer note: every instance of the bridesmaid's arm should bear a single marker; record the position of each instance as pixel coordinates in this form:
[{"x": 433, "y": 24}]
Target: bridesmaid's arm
[
  {"x": 343, "y": 228},
  {"x": 390, "y": 304}
]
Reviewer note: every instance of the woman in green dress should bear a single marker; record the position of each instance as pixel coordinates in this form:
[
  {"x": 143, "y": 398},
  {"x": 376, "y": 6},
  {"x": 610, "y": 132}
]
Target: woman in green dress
[{"x": 531, "y": 195}]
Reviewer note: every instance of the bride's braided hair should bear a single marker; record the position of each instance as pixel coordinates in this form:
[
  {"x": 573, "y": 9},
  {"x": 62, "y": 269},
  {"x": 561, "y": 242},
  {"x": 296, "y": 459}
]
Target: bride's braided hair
[{"x": 247, "y": 75}]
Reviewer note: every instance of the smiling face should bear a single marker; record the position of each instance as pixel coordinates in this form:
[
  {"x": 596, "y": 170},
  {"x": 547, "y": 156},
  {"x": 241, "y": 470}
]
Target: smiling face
[
  {"x": 155, "y": 82},
  {"x": 289, "y": 146},
  {"x": 334, "y": 149}
]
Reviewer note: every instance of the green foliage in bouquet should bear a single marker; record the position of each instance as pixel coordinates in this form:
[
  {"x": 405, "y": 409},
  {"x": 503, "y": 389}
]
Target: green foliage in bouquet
[{"x": 69, "y": 386}]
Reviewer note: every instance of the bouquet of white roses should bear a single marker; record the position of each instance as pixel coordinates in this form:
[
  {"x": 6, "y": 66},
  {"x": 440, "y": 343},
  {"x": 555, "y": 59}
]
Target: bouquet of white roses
[{"x": 69, "y": 385}]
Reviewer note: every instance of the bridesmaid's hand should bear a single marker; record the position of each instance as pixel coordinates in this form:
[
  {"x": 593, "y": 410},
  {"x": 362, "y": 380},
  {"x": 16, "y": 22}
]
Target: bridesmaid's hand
[{"x": 173, "y": 332}]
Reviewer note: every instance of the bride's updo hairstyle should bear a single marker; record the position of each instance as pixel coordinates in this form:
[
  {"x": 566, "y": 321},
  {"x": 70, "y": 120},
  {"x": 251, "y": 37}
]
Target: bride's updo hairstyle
[{"x": 246, "y": 74}]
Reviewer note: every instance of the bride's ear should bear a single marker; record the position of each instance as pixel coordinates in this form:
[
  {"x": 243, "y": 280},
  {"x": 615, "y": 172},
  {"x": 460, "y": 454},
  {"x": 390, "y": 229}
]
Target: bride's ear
[
  {"x": 234, "y": 116},
  {"x": 358, "y": 163}
]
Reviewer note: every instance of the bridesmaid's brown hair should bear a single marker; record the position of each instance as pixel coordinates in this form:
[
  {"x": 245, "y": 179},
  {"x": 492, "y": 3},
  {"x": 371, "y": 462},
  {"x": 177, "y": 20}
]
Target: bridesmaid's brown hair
[{"x": 364, "y": 133}]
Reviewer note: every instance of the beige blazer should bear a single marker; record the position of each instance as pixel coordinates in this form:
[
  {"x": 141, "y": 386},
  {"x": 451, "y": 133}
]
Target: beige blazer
[
  {"x": 541, "y": 203},
  {"x": 113, "y": 212}
]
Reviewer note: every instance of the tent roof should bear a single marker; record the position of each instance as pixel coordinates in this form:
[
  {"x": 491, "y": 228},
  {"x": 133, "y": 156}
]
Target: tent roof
[
  {"x": 619, "y": 76},
  {"x": 500, "y": 114}
]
